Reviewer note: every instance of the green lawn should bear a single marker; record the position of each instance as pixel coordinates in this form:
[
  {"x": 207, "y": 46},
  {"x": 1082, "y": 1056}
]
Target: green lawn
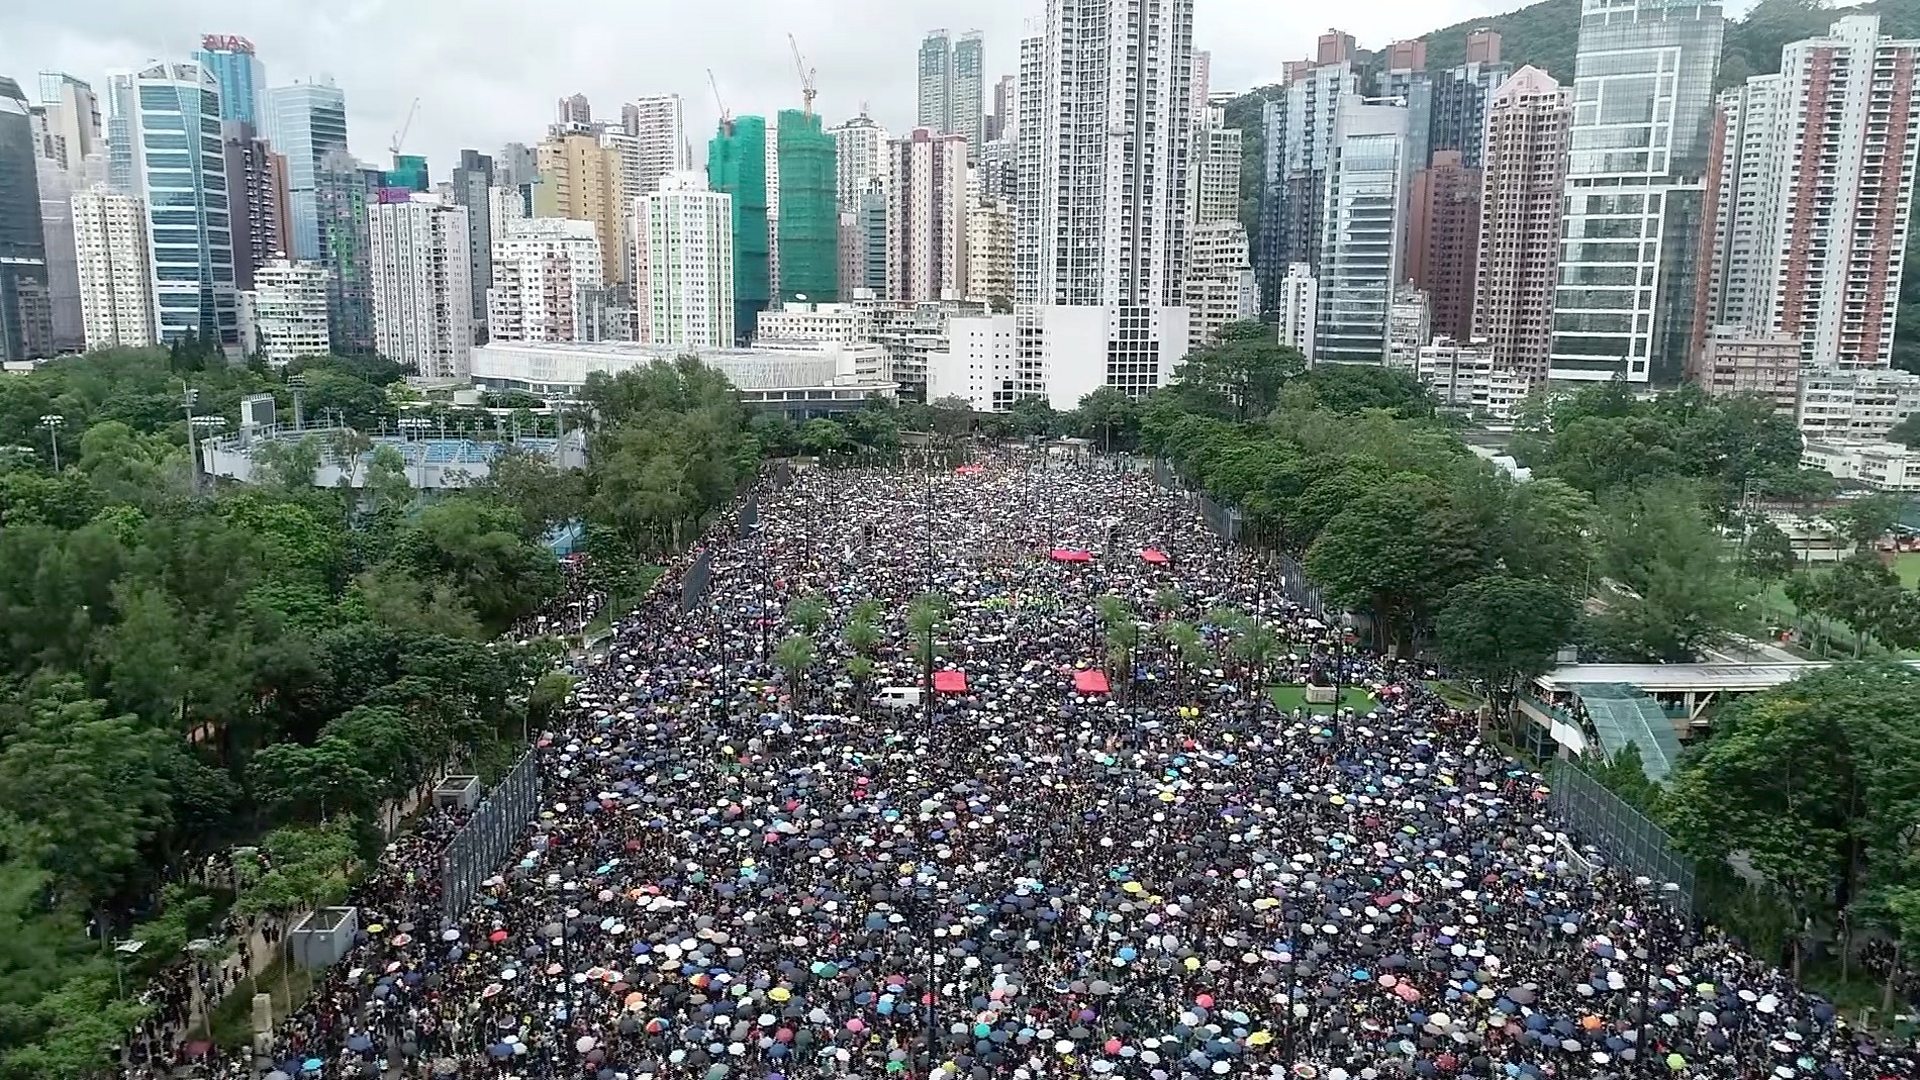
[
  {"x": 1289, "y": 698},
  {"x": 1907, "y": 565}
]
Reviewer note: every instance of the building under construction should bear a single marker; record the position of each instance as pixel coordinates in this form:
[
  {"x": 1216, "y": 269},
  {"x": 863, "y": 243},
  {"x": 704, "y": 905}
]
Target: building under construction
[
  {"x": 809, "y": 210},
  {"x": 737, "y": 165}
]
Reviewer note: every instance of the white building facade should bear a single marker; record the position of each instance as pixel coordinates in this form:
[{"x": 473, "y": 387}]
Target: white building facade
[
  {"x": 927, "y": 217},
  {"x": 422, "y": 305},
  {"x": 684, "y": 246},
  {"x": 1863, "y": 404},
  {"x": 1467, "y": 378},
  {"x": 542, "y": 271},
  {"x": 1213, "y": 190},
  {"x": 840, "y": 324},
  {"x": 860, "y": 157},
  {"x": 284, "y": 316},
  {"x": 1059, "y": 352},
  {"x": 990, "y": 252},
  {"x": 110, "y": 247},
  {"x": 1220, "y": 287}
]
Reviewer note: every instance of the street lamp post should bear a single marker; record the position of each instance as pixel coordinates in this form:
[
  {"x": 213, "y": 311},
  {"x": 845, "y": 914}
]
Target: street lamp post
[{"x": 53, "y": 422}]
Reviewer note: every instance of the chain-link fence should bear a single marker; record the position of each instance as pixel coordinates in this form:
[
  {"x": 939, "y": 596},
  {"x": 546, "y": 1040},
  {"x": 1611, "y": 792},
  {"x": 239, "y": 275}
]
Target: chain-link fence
[
  {"x": 1293, "y": 582},
  {"x": 1623, "y": 834},
  {"x": 483, "y": 843}
]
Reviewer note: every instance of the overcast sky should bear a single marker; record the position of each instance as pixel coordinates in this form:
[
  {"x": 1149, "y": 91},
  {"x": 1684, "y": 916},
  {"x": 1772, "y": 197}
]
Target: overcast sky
[{"x": 489, "y": 71}]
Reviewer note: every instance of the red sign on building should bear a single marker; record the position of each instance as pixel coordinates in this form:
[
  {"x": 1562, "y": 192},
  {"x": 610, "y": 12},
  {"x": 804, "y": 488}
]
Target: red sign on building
[{"x": 226, "y": 43}]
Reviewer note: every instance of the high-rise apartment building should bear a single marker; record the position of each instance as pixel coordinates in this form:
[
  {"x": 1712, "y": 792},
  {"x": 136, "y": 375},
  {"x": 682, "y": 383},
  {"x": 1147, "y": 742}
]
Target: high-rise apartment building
[
  {"x": 180, "y": 163},
  {"x": 737, "y": 166},
  {"x": 1058, "y": 352},
  {"x": 935, "y": 98},
  {"x": 1405, "y": 78},
  {"x": 473, "y": 188},
  {"x": 687, "y": 249},
  {"x": 1812, "y": 195},
  {"x": 1298, "y": 130},
  {"x": 1636, "y": 177},
  {"x": 26, "y": 313},
  {"x": 1409, "y": 327},
  {"x": 860, "y": 157},
  {"x": 1202, "y": 81},
  {"x": 542, "y": 267},
  {"x": 1460, "y": 96},
  {"x": 1299, "y": 314},
  {"x": 573, "y": 111},
  {"x": 809, "y": 215},
  {"x": 1443, "y": 240},
  {"x": 967, "y": 95},
  {"x": 517, "y": 165},
  {"x": 284, "y": 316},
  {"x": 72, "y": 116},
  {"x": 1219, "y": 286},
  {"x": 927, "y": 217},
  {"x": 306, "y": 122},
  {"x": 259, "y": 200},
  {"x": 1028, "y": 156},
  {"x": 1006, "y": 97},
  {"x": 1365, "y": 211},
  {"x": 345, "y": 193},
  {"x": 1108, "y": 213},
  {"x": 240, "y": 74},
  {"x": 1213, "y": 186},
  {"x": 990, "y": 253},
  {"x": 580, "y": 179},
  {"x": 116, "y": 290},
  {"x": 422, "y": 306},
  {"x": 1522, "y": 185},
  {"x": 871, "y": 221},
  {"x": 658, "y": 126}
]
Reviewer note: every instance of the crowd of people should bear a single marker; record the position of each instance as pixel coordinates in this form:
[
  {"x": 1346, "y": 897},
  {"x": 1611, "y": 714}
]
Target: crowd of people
[{"x": 739, "y": 875}]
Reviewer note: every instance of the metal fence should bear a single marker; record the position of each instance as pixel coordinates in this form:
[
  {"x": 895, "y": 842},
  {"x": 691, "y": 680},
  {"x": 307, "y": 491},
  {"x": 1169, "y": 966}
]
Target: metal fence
[
  {"x": 1225, "y": 521},
  {"x": 1622, "y": 833},
  {"x": 1296, "y": 586},
  {"x": 493, "y": 831},
  {"x": 749, "y": 516},
  {"x": 693, "y": 587}
]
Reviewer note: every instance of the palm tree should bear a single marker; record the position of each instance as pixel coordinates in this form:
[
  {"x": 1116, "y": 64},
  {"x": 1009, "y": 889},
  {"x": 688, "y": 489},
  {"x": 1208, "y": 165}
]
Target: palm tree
[
  {"x": 1256, "y": 645},
  {"x": 860, "y": 672},
  {"x": 867, "y": 611},
  {"x": 807, "y": 613},
  {"x": 1122, "y": 640},
  {"x": 924, "y": 616},
  {"x": 1184, "y": 647},
  {"x": 1169, "y": 601},
  {"x": 1231, "y": 623},
  {"x": 794, "y": 655},
  {"x": 861, "y": 636}
]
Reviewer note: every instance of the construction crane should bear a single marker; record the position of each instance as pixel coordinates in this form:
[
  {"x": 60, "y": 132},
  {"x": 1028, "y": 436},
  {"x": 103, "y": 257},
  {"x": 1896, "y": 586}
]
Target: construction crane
[
  {"x": 726, "y": 115},
  {"x": 806, "y": 76},
  {"x": 401, "y": 135}
]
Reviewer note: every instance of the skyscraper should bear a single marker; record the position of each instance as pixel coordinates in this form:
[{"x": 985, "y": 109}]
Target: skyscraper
[
  {"x": 1636, "y": 170},
  {"x": 1405, "y": 77},
  {"x": 927, "y": 217},
  {"x": 240, "y": 74},
  {"x": 967, "y": 97},
  {"x": 580, "y": 179},
  {"x": 542, "y": 267},
  {"x": 422, "y": 306},
  {"x": 737, "y": 165},
  {"x": 1299, "y": 318},
  {"x": 306, "y": 121},
  {"x": 1460, "y": 98},
  {"x": 1521, "y": 191},
  {"x": 935, "y": 112},
  {"x": 345, "y": 193},
  {"x": 1360, "y": 237},
  {"x": 1837, "y": 146},
  {"x": 1299, "y": 141},
  {"x": 1741, "y": 199},
  {"x": 1109, "y": 213},
  {"x": 860, "y": 156},
  {"x": 473, "y": 189},
  {"x": 257, "y": 200},
  {"x": 1006, "y": 97},
  {"x": 687, "y": 247},
  {"x": 659, "y": 128},
  {"x": 73, "y": 119},
  {"x": 116, "y": 292},
  {"x": 1213, "y": 188},
  {"x": 871, "y": 220},
  {"x": 57, "y": 186},
  {"x": 26, "y": 316},
  {"x": 809, "y": 210},
  {"x": 573, "y": 111},
  {"x": 1443, "y": 240},
  {"x": 179, "y": 161}
]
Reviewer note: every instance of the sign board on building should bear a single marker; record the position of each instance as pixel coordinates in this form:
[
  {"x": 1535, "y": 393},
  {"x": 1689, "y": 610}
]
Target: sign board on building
[{"x": 226, "y": 43}]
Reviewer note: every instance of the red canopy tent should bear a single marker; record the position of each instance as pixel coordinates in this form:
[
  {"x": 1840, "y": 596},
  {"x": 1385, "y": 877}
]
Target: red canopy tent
[
  {"x": 950, "y": 681},
  {"x": 1070, "y": 555},
  {"x": 1090, "y": 682},
  {"x": 1153, "y": 555},
  {"x": 969, "y": 470}
]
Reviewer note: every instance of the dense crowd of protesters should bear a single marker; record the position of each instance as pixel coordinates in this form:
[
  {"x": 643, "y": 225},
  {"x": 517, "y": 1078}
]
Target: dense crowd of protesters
[{"x": 735, "y": 875}]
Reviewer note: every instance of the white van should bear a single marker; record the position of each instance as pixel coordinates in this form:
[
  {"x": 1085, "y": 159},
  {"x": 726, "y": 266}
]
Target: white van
[{"x": 899, "y": 697}]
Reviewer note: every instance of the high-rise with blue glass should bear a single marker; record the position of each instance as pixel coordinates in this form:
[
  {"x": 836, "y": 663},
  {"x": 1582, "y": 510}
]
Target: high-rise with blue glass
[
  {"x": 179, "y": 168},
  {"x": 240, "y": 74},
  {"x": 306, "y": 122}
]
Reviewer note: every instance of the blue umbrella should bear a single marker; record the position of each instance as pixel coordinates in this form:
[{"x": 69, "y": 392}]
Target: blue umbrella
[
  {"x": 359, "y": 1044},
  {"x": 501, "y": 1050},
  {"x": 311, "y": 1065}
]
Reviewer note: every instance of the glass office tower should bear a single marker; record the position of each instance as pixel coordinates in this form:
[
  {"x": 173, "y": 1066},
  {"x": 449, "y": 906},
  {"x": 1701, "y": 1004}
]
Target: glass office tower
[{"x": 306, "y": 122}]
